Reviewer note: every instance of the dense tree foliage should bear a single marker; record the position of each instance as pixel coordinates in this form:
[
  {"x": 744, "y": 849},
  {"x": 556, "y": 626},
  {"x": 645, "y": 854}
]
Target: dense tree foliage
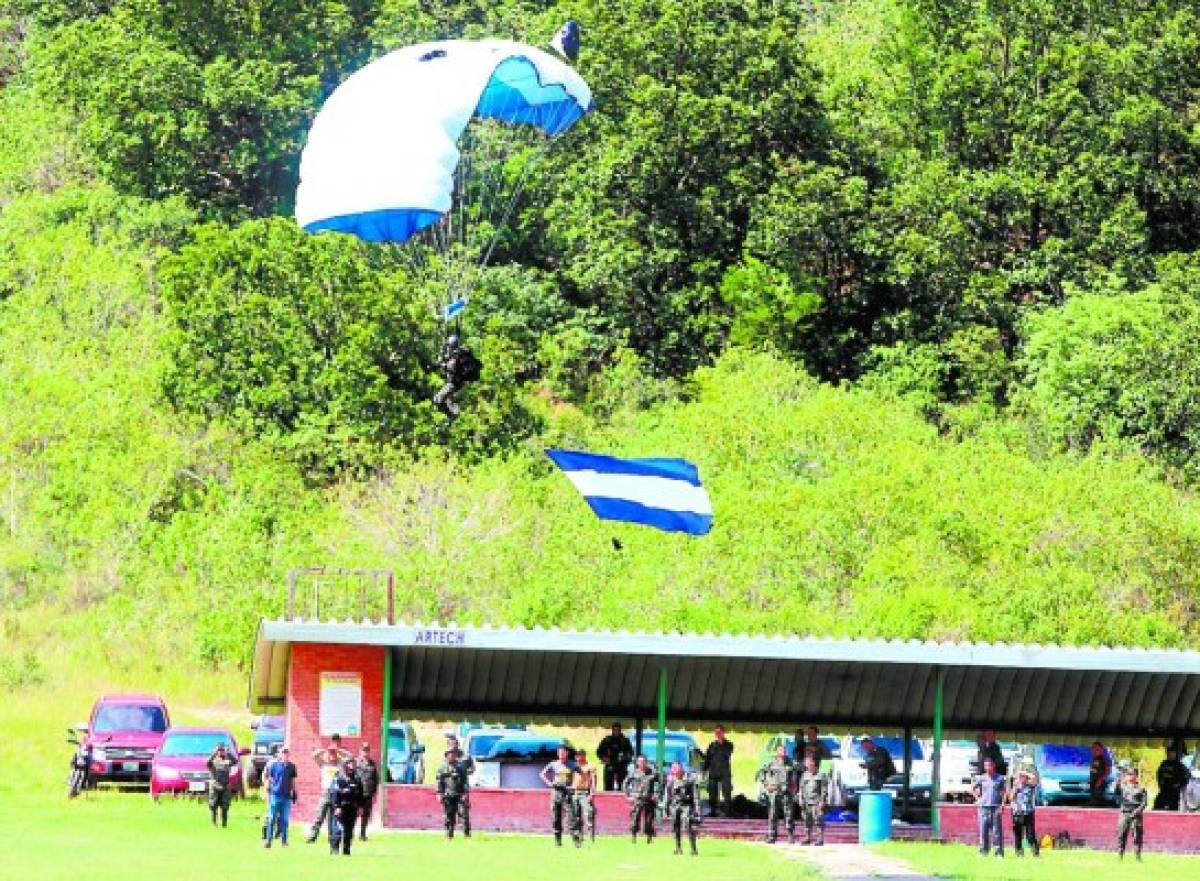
[{"x": 914, "y": 281}]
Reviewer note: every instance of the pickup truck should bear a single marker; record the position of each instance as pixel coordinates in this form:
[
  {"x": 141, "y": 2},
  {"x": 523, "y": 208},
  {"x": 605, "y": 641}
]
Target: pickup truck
[{"x": 125, "y": 731}]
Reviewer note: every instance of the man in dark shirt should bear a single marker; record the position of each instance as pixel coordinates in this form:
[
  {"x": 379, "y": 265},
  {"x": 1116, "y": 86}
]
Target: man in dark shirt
[
  {"x": 718, "y": 763},
  {"x": 990, "y": 749},
  {"x": 1098, "y": 772},
  {"x": 220, "y": 784},
  {"x": 1172, "y": 776},
  {"x": 345, "y": 800},
  {"x": 878, "y": 762},
  {"x": 615, "y": 752},
  {"x": 279, "y": 778}
]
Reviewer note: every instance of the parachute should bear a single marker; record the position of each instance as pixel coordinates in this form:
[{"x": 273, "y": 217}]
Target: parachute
[{"x": 432, "y": 144}]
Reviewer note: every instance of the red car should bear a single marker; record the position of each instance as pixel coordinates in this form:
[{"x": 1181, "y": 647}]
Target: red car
[
  {"x": 124, "y": 732},
  {"x": 181, "y": 763}
]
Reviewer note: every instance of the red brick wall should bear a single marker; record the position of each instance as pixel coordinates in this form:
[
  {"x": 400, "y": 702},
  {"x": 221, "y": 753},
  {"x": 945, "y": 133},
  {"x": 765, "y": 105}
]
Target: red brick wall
[
  {"x": 309, "y": 661},
  {"x": 1092, "y": 827},
  {"x": 498, "y": 810}
]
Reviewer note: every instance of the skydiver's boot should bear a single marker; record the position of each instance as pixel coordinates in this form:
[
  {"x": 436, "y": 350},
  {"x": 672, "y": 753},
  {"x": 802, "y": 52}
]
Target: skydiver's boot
[
  {"x": 678, "y": 843},
  {"x": 213, "y": 811},
  {"x": 558, "y": 839},
  {"x": 692, "y": 838}
]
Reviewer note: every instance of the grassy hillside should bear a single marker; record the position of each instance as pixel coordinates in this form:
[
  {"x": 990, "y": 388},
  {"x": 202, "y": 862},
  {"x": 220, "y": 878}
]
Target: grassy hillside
[{"x": 914, "y": 503}]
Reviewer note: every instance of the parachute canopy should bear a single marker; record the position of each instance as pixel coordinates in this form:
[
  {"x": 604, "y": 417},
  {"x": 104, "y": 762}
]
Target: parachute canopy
[{"x": 382, "y": 154}]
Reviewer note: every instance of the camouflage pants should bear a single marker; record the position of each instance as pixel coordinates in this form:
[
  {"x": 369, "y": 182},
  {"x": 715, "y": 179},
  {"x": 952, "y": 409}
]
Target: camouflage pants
[
  {"x": 559, "y": 805},
  {"x": 684, "y": 817},
  {"x": 813, "y": 815},
  {"x": 1129, "y": 823},
  {"x": 218, "y": 800},
  {"x": 779, "y": 806},
  {"x": 583, "y": 813},
  {"x": 457, "y": 808},
  {"x": 641, "y": 817}
]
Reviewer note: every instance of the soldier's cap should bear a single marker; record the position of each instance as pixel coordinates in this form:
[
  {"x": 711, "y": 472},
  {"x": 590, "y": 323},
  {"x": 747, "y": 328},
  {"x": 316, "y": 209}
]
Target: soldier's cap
[{"x": 453, "y": 751}]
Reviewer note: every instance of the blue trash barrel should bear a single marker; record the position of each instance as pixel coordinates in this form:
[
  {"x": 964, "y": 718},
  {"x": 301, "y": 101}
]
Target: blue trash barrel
[{"x": 874, "y": 816}]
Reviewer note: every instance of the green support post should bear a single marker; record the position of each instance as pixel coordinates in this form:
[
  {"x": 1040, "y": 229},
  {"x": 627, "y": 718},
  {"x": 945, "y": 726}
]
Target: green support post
[
  {"x": 935, "y": 791},
  {"x": 383, "y": 733},
  {"x": 662, "y": 719}
]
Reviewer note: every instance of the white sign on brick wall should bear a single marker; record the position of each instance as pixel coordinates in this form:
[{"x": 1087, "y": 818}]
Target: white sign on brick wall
[{"x": 340, "y": 710}]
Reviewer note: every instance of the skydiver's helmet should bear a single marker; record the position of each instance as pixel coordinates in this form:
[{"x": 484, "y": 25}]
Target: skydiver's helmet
[
  {"x": 452, "y": 341},
  {"x": 566, "y": 41}
]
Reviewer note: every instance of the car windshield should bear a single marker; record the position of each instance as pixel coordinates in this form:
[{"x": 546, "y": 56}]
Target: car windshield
[
  {"x": 894, "y": 746},
  {"x": 512, "y": 748},
  {"x": 1065, "y": 755},
  {"x": 481, "y": 744},
  {"x": 194, "y": 744},
  {"x": 129, "y": 717}
]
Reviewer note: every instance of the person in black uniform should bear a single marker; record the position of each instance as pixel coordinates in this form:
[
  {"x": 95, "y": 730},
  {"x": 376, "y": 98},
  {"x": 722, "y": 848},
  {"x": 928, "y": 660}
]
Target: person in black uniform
[
  {"x": 345, "y": 800},
  {"x": 1131, "y": 798},
  {"x": 1172, "y": 776},
  {"x": 615, "y": 752},
  {"x": 878, "y": 762},
  {"x": 718, "y": 759}
]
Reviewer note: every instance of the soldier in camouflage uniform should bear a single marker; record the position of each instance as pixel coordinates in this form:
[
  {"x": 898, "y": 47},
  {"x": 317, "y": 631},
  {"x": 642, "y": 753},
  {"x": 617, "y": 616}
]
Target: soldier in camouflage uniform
[
  {"x": 776, "y": 778},
  {"x": 682, "y": 797},
  {"x": 1131, "y": 796},
  {"x": 812, "y": 792},
  {"x": 641, "y": 787},
  {"x": 220, "y": 767},
  {"x": 583, "y": 805},
  {"x": 557, "y": 775},
  {"x": 452, "y": 786}
]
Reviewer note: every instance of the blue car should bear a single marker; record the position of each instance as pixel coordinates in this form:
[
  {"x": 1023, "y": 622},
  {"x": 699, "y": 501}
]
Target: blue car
[
  {"x": 1063, "y": 770},
  {"x": 405, "y": 754}
]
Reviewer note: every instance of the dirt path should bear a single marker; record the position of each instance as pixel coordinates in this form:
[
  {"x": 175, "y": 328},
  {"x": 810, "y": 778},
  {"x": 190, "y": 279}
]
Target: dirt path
[{"x": 852, "y": 862}]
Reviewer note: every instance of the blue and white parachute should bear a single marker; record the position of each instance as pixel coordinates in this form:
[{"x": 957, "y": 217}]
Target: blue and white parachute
[{"x": 384, "y": 158}]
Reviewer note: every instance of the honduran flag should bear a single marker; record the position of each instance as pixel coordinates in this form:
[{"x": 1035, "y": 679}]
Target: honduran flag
[{"x": 664, "y": 493}]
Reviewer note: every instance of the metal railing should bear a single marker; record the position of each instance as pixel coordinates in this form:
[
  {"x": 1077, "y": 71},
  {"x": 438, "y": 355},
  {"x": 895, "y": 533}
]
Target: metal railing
[{"x": 331, "y": 593}]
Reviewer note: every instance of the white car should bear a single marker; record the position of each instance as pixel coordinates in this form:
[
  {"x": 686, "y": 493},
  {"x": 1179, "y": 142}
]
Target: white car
[
  {"x": 959, "y": 768},
  {"x": 478, "y": 742},
  {"x": 850, "y": 778}
]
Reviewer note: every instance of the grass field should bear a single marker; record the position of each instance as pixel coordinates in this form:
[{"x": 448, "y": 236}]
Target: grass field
[
  {"x": 125, "y": 837},
  {"x": 963, "y": 863}
]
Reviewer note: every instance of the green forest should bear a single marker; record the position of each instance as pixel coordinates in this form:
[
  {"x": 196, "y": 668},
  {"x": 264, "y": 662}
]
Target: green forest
[{"x": 915, "y": 284}]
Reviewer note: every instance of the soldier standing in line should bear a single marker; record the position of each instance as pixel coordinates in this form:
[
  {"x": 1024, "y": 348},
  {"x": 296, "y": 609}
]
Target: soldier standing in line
[
  {"x": 220, "y": 767},
  {"x": 452, "y": 786},
  {"x": 1172, "y": 776},
  {"x": 813, "y": 795},
  {"x": 368, "y": 773},
  {"x": 557, "y": 775},
  {"x": 615, "y": 753},
  {"x": 1131, "y": 796},
  {"x": 718, "y": 764},
  {"x": 879, "y": 764},
  {"x": 329, "y": 761},
  {"x": 682, "y": 797},
  {"x": 1098, "y": 772},
  {"x": 776, "y": 778},
  {"x": 642, "y": 787},
  {"x": 345, "y": 800},
  {"x": 583, "y": 790},
  {"x": 990, "y": 791}
]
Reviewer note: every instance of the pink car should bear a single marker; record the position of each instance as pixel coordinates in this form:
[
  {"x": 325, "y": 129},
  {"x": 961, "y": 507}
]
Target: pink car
[
  {"x": 181, "y": 763},
  {"x": 124, "y": 732}
]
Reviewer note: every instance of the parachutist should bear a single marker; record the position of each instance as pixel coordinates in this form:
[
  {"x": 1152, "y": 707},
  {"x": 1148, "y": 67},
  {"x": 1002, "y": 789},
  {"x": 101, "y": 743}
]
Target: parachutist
[{"x": 460, "y": 366}]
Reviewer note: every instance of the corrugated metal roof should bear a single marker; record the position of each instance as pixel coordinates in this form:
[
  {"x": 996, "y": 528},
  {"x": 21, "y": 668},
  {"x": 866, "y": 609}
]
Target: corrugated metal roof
[{"x": 769, "y": 680}]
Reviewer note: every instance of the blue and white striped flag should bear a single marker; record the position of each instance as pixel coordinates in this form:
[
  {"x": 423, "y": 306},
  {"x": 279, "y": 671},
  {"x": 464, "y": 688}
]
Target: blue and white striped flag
[{"x": 664, "y": 493}]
